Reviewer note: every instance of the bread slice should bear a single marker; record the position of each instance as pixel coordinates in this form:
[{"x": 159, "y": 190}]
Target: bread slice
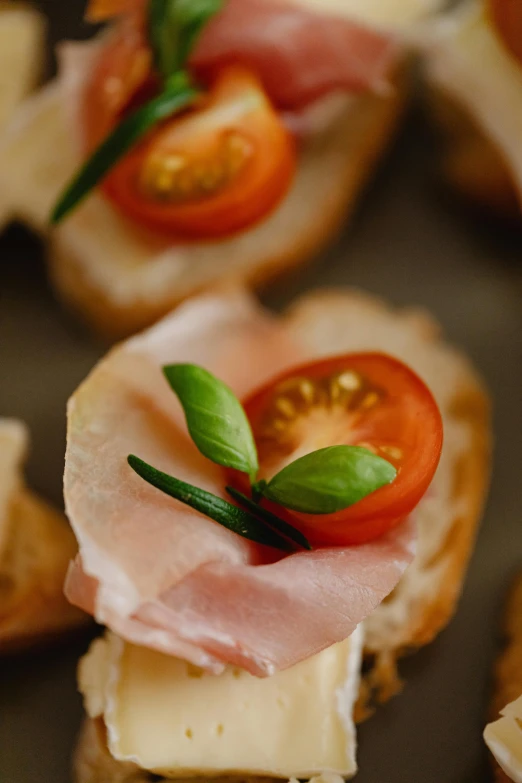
[
  {"x": 426, "y": 597},
  {"x": 508, "y": 670},
  {"x": 36, "y": 546},
  {"x": 469, "y": 161},
  {"x": 475, "y": 94},
  {"x": 22, "y": 32},
  {"x": 121, "y": 280}
]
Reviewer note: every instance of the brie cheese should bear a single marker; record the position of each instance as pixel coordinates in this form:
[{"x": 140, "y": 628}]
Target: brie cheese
[
  {"x": 468, "y": 61},
  {"x": 174, "y": 719},
  {"x": 504, "y": 739}
]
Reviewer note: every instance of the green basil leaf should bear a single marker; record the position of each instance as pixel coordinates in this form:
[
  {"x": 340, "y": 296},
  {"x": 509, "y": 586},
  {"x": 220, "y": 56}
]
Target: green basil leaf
[
  {"x": 178, "y": 95},
  {"x": 289, "y": 531},
  {"x": 329, "y": 480},
  {"x": 174, "y": 27},
  {"x": 226, "y": 514},
  {"x": 217, "y": 423}
]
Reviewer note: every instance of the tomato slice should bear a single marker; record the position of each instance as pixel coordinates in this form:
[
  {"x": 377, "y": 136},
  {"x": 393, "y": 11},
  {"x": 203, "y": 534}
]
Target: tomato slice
[
  {"x": 507, "y": 18},
  {"x": 209, "y": 172},
  {"x": 365, "y": 399}
]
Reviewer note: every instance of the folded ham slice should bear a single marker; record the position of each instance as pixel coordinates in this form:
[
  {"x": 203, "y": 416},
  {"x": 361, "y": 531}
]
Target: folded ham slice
[
  {"x": 300, "y": 54},
  {"x": 159, "y": 573}
]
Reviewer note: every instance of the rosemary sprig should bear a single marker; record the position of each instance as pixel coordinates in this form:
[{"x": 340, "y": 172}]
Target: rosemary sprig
[
  {"x": 274, "y": 521},
  {"x": 178, "y": 95},
  {"x": 236, "y": 519}
]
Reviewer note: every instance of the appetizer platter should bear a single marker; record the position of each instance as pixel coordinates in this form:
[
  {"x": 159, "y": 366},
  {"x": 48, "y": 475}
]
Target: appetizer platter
[{"x": 274, "y": 507}]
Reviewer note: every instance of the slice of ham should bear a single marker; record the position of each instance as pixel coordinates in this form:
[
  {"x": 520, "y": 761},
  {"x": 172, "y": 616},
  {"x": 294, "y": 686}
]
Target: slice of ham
[
  {"x": 299, "y": 54},
  {"x": 162, "y": 575}
]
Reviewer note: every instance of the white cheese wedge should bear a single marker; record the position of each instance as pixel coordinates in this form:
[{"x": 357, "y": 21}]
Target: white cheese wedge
[
  {"x": 391, "y": 14},
  {"x": 467, "y": 59},
  {"x": 174, "y": 719},
  {"x": 504, "y": 739}
]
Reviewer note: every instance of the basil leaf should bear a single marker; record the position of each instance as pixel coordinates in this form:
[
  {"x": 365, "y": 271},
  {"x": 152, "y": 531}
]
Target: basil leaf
[
  {"x": 174, "y": 27},
  {"x": 329, "y": 480},
  {"x": 217, "y": 423},
  {"x": 178, "y": 95},
  {"x": 226, "y": 514},
  {"x": 271, "y": 519}
]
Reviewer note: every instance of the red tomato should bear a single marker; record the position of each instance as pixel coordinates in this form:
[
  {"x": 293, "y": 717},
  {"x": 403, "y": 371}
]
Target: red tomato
[
  {"x": 366, "y": 399},
  {"x": 507, "y": 18},
  {"x": 211, "y": 171}
]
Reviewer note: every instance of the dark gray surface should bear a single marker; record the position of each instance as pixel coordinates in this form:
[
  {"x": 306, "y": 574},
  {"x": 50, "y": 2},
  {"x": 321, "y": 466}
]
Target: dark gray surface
[{"x": 413, "y": 244}]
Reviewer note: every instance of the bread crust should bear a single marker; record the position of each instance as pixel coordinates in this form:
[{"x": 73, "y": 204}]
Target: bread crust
[
  {"x": 36, "y": 545},
  {"x": 507, "y": 685},
  {"x": 469, "y": 160},
  {"x": 33, "y": 608},
  {"x": 357, "y": 143},
  {"x": 93, "y": 763}
]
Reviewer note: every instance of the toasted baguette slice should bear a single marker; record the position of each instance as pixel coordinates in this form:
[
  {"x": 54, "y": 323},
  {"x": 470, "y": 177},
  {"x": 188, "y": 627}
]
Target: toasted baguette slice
[
  {"x": 469, "y": 161},
  {"x": 508, "y": 671},
  {"x": 121, "y": 280},
  {"x": 22, "y": 31},
  {"x": 426, "y": 597},
  {"x": 36, "y": 546},
  {"x": 475, "y": 97}
]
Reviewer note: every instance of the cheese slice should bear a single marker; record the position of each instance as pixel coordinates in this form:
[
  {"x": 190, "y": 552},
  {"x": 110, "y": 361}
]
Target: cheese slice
[
  {"x": 504, "y": 739},
  {"x": 176, "y": 720},
  {"x": 390, "y": 14},
  {"x": 468, "y": 61}
]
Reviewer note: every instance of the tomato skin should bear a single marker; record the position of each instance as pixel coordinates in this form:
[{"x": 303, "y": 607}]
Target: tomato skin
[
  {"x": 122, "y": 80},
  {"x": 248, "y": 197},
  {"x": 507, "y": 18},
  {"x": 405, "y": 420}
]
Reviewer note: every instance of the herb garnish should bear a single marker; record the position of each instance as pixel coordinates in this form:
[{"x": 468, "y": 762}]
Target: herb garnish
[
  {"x": 174, "y": 27},
  {"x": 322, "y": 482}
]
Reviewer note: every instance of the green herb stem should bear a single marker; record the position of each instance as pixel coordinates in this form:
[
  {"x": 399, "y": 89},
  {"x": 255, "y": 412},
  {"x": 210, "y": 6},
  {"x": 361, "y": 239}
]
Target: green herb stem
[
  {"x": 288, "y": 530},
  {"x": 174, "y": 27},
  {"x": 178, "y": 95},
  {"x": 233, "y": 518}
]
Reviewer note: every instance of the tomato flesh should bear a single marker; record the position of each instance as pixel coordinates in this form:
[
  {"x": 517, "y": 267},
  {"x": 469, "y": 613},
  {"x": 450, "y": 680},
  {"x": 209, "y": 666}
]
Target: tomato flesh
[
  {"x": 366, "y": 399},
  {"x": 211, "y": 171},
  {"x": 507, "y": 18}
]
